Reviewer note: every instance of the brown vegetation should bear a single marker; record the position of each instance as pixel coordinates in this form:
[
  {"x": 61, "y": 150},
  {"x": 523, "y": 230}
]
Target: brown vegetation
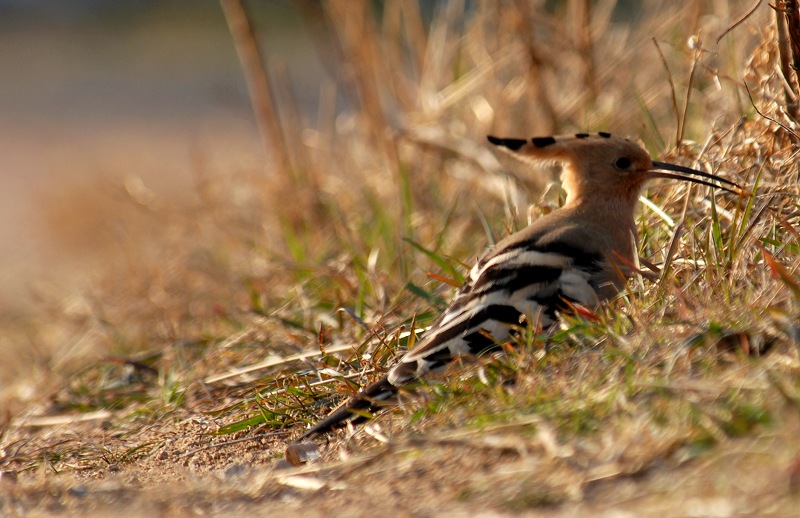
[{"x": 231, "y": 317}]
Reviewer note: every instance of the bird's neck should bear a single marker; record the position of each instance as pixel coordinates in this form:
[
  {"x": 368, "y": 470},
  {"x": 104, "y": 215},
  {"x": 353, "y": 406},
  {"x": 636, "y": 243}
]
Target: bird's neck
[{"x": 612, "y": 216}]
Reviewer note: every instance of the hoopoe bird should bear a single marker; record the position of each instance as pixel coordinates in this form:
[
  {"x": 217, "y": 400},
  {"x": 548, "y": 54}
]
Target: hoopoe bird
[{"x": 578, "y": 255}]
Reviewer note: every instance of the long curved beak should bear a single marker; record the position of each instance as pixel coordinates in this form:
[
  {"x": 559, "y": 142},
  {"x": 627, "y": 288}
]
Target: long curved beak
[{"x": 734, "y": 188}]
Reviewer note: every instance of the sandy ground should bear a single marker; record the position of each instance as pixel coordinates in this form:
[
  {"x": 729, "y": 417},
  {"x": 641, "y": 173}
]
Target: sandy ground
[{"x": 500, "y": 472}]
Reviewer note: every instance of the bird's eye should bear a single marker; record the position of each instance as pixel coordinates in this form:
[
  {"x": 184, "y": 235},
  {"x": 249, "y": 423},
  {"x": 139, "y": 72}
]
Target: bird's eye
[{"x": 623, "y": 163}]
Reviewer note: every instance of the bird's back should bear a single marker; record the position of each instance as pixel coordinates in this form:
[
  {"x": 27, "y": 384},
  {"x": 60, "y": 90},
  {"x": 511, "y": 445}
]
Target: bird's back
[{"x": 522, "y": 281}]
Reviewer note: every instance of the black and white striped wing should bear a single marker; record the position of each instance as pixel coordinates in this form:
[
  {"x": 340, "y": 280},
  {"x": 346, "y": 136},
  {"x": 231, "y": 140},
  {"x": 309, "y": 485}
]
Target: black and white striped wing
[
  {"x": 530, "y": 274},
  {"x": 508, "y": 287}
]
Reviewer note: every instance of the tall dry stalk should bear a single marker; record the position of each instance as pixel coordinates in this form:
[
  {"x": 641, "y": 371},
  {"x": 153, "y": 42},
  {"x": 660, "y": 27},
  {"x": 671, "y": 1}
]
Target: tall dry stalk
[
  {"x": 787, "y": 14},
  {"x": 258, "y": 84}
]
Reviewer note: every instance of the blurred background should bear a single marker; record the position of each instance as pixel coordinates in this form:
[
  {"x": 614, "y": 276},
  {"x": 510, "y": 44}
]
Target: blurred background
[
  {"x": 147, "y": 96},
  {"x": 98, "y": 94}
]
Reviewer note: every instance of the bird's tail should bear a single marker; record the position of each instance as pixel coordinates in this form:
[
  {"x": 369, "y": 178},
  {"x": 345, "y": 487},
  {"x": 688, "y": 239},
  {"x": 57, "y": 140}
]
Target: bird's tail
[{"x": 368, "y": 400}]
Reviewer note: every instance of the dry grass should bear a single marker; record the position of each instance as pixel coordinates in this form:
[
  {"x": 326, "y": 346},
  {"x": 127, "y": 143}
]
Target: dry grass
[{"x": 245, "y": 310}]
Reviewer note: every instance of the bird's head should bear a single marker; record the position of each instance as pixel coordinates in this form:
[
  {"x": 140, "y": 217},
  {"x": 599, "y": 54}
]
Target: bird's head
[{"x": 601, "y": 166}]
